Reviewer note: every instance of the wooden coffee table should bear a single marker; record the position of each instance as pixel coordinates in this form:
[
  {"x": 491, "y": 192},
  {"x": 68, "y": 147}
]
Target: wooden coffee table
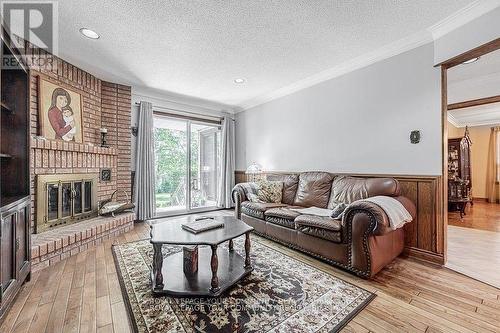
[{"x": 225, "y": 269}]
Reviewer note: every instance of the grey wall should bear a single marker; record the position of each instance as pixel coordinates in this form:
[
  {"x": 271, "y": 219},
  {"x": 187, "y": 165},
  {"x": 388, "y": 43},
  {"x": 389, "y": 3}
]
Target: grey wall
[{"x": 358, "y": 123}]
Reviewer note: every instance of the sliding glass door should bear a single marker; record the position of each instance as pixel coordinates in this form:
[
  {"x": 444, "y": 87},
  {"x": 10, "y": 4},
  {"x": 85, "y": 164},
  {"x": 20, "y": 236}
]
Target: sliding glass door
[{"x": 187, "y": 165}]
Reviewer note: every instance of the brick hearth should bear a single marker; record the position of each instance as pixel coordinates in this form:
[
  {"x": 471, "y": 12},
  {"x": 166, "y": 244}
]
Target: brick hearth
[{"x": 52, "y": 246}]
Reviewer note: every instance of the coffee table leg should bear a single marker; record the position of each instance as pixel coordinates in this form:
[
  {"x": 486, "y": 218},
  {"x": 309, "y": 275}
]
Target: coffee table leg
[
  {"x": 157, "y": 266},
  {"x": 247, "y": 250},
  {"x": 231, "y": 247},
  {"x": 214, "y": 264}
]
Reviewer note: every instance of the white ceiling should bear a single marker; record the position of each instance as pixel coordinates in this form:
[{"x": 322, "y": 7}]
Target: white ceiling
[
  {"x": 475, "y": 80},
  {"x": 197, "y": 48},
  {"x": 472, "y": 81}
]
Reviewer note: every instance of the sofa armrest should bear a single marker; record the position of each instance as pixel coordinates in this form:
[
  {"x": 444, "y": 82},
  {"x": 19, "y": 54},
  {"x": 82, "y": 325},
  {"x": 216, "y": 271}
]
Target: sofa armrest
[
  {"x": 372, "y": 243},
  {"x": 237, "y": 200},
  {"x": 379, "y": 221},
  {"x": 238, "y": 194}
]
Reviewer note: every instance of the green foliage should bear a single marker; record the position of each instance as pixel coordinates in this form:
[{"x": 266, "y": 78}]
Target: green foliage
[{"x": 170, "y": 153}]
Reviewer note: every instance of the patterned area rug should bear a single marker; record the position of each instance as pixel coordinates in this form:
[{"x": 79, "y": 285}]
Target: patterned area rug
[{"x": 282, "y": 294}]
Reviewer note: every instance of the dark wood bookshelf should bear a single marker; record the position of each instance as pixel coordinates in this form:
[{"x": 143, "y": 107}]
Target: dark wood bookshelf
[
  {"x": 15, "y": 200},
  {"x": 5, "y": 107}
]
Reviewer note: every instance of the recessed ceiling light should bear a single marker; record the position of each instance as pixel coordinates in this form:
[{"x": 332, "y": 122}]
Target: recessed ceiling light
[
  {"x": 89, "y": 33},
  {"x": 470, "y": 61},
  {"x": 239, "y": 80}
]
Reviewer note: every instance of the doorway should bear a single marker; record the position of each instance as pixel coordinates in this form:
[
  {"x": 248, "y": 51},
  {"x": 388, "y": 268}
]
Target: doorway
[
  {"x": 472, "y": 165},
  {"x": 187, "y": 164}
]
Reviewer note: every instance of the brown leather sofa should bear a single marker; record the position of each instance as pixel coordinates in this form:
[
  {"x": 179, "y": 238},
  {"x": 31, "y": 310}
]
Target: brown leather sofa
[{"x": 362, "y": 242}]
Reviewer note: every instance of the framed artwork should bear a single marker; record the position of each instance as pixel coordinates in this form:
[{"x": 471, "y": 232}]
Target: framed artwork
[{"x": 59, "y": 112}]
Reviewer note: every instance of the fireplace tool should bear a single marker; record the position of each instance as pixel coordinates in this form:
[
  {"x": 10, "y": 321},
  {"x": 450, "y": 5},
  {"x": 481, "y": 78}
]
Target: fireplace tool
[{"x": 112, "y": 206}]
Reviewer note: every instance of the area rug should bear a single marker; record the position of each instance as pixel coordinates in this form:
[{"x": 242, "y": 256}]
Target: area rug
[{"x": 282, "y": 294}]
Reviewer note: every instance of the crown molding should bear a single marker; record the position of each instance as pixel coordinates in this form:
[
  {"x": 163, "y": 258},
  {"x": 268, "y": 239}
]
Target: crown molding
[
  {"x": 387, "y": 51},
  {"x": 462, "y": 17},
  {"x": 479, "y": 123},
  {"x": 452, "y": 120},
  {"x": 482, "y": 115}
]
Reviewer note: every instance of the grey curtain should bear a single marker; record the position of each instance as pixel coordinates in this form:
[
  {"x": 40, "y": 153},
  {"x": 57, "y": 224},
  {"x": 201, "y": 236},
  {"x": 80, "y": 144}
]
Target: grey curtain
[
  {"x": 144, "y": 164},
  {"x": 227, "y": 163}
]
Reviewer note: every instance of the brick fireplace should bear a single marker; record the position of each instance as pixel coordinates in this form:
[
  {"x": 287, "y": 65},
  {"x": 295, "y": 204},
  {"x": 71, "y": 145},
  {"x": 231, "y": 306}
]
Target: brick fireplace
[{"x": 104, "y": 105}]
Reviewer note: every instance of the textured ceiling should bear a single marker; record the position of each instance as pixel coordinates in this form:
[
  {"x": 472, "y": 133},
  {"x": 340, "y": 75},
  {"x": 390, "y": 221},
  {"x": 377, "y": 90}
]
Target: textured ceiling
[{"x": 197, "y": 48}]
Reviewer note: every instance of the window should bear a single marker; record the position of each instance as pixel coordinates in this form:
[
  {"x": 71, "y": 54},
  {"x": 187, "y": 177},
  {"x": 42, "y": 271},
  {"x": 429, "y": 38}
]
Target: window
[{"x": 187, "y": 157}]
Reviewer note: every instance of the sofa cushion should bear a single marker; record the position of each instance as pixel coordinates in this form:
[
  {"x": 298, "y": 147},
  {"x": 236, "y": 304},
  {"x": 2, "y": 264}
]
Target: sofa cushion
[
  {"x": 313, "y": 189},
  {"x": 346, "y": 189},
  {"x": 319, "y": 221},
  {"x": 257, "y": 209},
  {"x": 319, "y": 226},
  {"x": 283, "y": 216}
]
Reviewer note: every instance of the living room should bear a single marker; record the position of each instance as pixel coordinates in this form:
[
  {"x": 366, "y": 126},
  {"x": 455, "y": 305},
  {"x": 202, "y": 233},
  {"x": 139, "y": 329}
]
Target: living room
[{"x": 236, "y": 167}]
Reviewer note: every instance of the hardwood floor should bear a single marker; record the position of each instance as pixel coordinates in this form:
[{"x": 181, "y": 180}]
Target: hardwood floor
[
  {"x": 482, "y": 216},
  {"x": 475, "y": 253},
  {"x": 474, "y": 242},
  {"x": 82, "y": 294}
]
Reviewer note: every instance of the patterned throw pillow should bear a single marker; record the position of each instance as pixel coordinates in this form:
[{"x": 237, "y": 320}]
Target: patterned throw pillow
[{"x": 270, "y": 191}]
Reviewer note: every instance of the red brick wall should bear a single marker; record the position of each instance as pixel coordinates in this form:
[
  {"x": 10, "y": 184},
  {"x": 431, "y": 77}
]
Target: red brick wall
[
  {"x": 104, "y": 104},
  {"x": 116, "y": 112}
]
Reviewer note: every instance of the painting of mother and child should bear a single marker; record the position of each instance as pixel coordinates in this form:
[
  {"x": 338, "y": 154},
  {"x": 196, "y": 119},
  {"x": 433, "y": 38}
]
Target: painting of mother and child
[{"x": 60, "y": 112}]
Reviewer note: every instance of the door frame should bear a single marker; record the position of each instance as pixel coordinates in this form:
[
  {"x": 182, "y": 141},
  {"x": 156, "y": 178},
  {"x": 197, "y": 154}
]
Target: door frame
[
  {"x": 188, "y": 121},
  {"x": 481, "y": 50}
]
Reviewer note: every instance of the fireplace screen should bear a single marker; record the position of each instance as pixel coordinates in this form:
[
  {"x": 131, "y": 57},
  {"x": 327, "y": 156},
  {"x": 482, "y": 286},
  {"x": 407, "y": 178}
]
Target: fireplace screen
[{"x": 65, "y": 199}]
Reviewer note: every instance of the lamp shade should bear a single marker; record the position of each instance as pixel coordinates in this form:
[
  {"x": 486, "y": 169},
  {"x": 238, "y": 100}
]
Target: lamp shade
[{"x": 254, "y": 168}]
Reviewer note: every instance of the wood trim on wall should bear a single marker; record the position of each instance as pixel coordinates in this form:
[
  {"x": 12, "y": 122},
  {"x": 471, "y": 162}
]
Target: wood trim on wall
[
  {"x": 443, "y": 199},
  {"x": 424, "y": 237},
  {"x": 474, "y": 102}
]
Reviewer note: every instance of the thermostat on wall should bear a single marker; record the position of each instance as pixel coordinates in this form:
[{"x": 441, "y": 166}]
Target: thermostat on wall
[
  {"x": 105, "y": 175},
  {"x": 415, "y": 137}
]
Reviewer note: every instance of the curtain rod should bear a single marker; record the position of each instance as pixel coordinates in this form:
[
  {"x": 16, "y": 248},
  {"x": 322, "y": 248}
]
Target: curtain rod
[{"x": 185, "y": 112}]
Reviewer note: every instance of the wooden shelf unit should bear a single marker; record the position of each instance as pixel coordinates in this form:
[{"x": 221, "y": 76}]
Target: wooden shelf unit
[{"x": 15, "y": 200}]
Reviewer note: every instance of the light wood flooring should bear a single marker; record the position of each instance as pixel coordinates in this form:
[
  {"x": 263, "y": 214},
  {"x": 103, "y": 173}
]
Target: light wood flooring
[
  {"x": 474, "y": 242},
  {"x": 82, "y": 294},
  {"x": 475, "y": 253}
]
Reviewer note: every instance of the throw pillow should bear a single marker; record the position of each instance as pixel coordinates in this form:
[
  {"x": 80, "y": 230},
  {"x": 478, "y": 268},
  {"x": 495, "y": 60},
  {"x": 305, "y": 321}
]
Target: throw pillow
[{"x": 270, "y": 191}]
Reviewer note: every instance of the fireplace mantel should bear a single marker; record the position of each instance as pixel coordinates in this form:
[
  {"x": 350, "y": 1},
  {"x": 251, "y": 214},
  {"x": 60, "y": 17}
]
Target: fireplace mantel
[{"x": 42, "y": 143}]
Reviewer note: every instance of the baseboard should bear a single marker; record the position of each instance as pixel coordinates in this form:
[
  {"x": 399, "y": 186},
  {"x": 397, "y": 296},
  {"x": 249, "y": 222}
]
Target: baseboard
[
  {"x": 432, "y": 257},
  {"x": 480, "y": 199}
]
